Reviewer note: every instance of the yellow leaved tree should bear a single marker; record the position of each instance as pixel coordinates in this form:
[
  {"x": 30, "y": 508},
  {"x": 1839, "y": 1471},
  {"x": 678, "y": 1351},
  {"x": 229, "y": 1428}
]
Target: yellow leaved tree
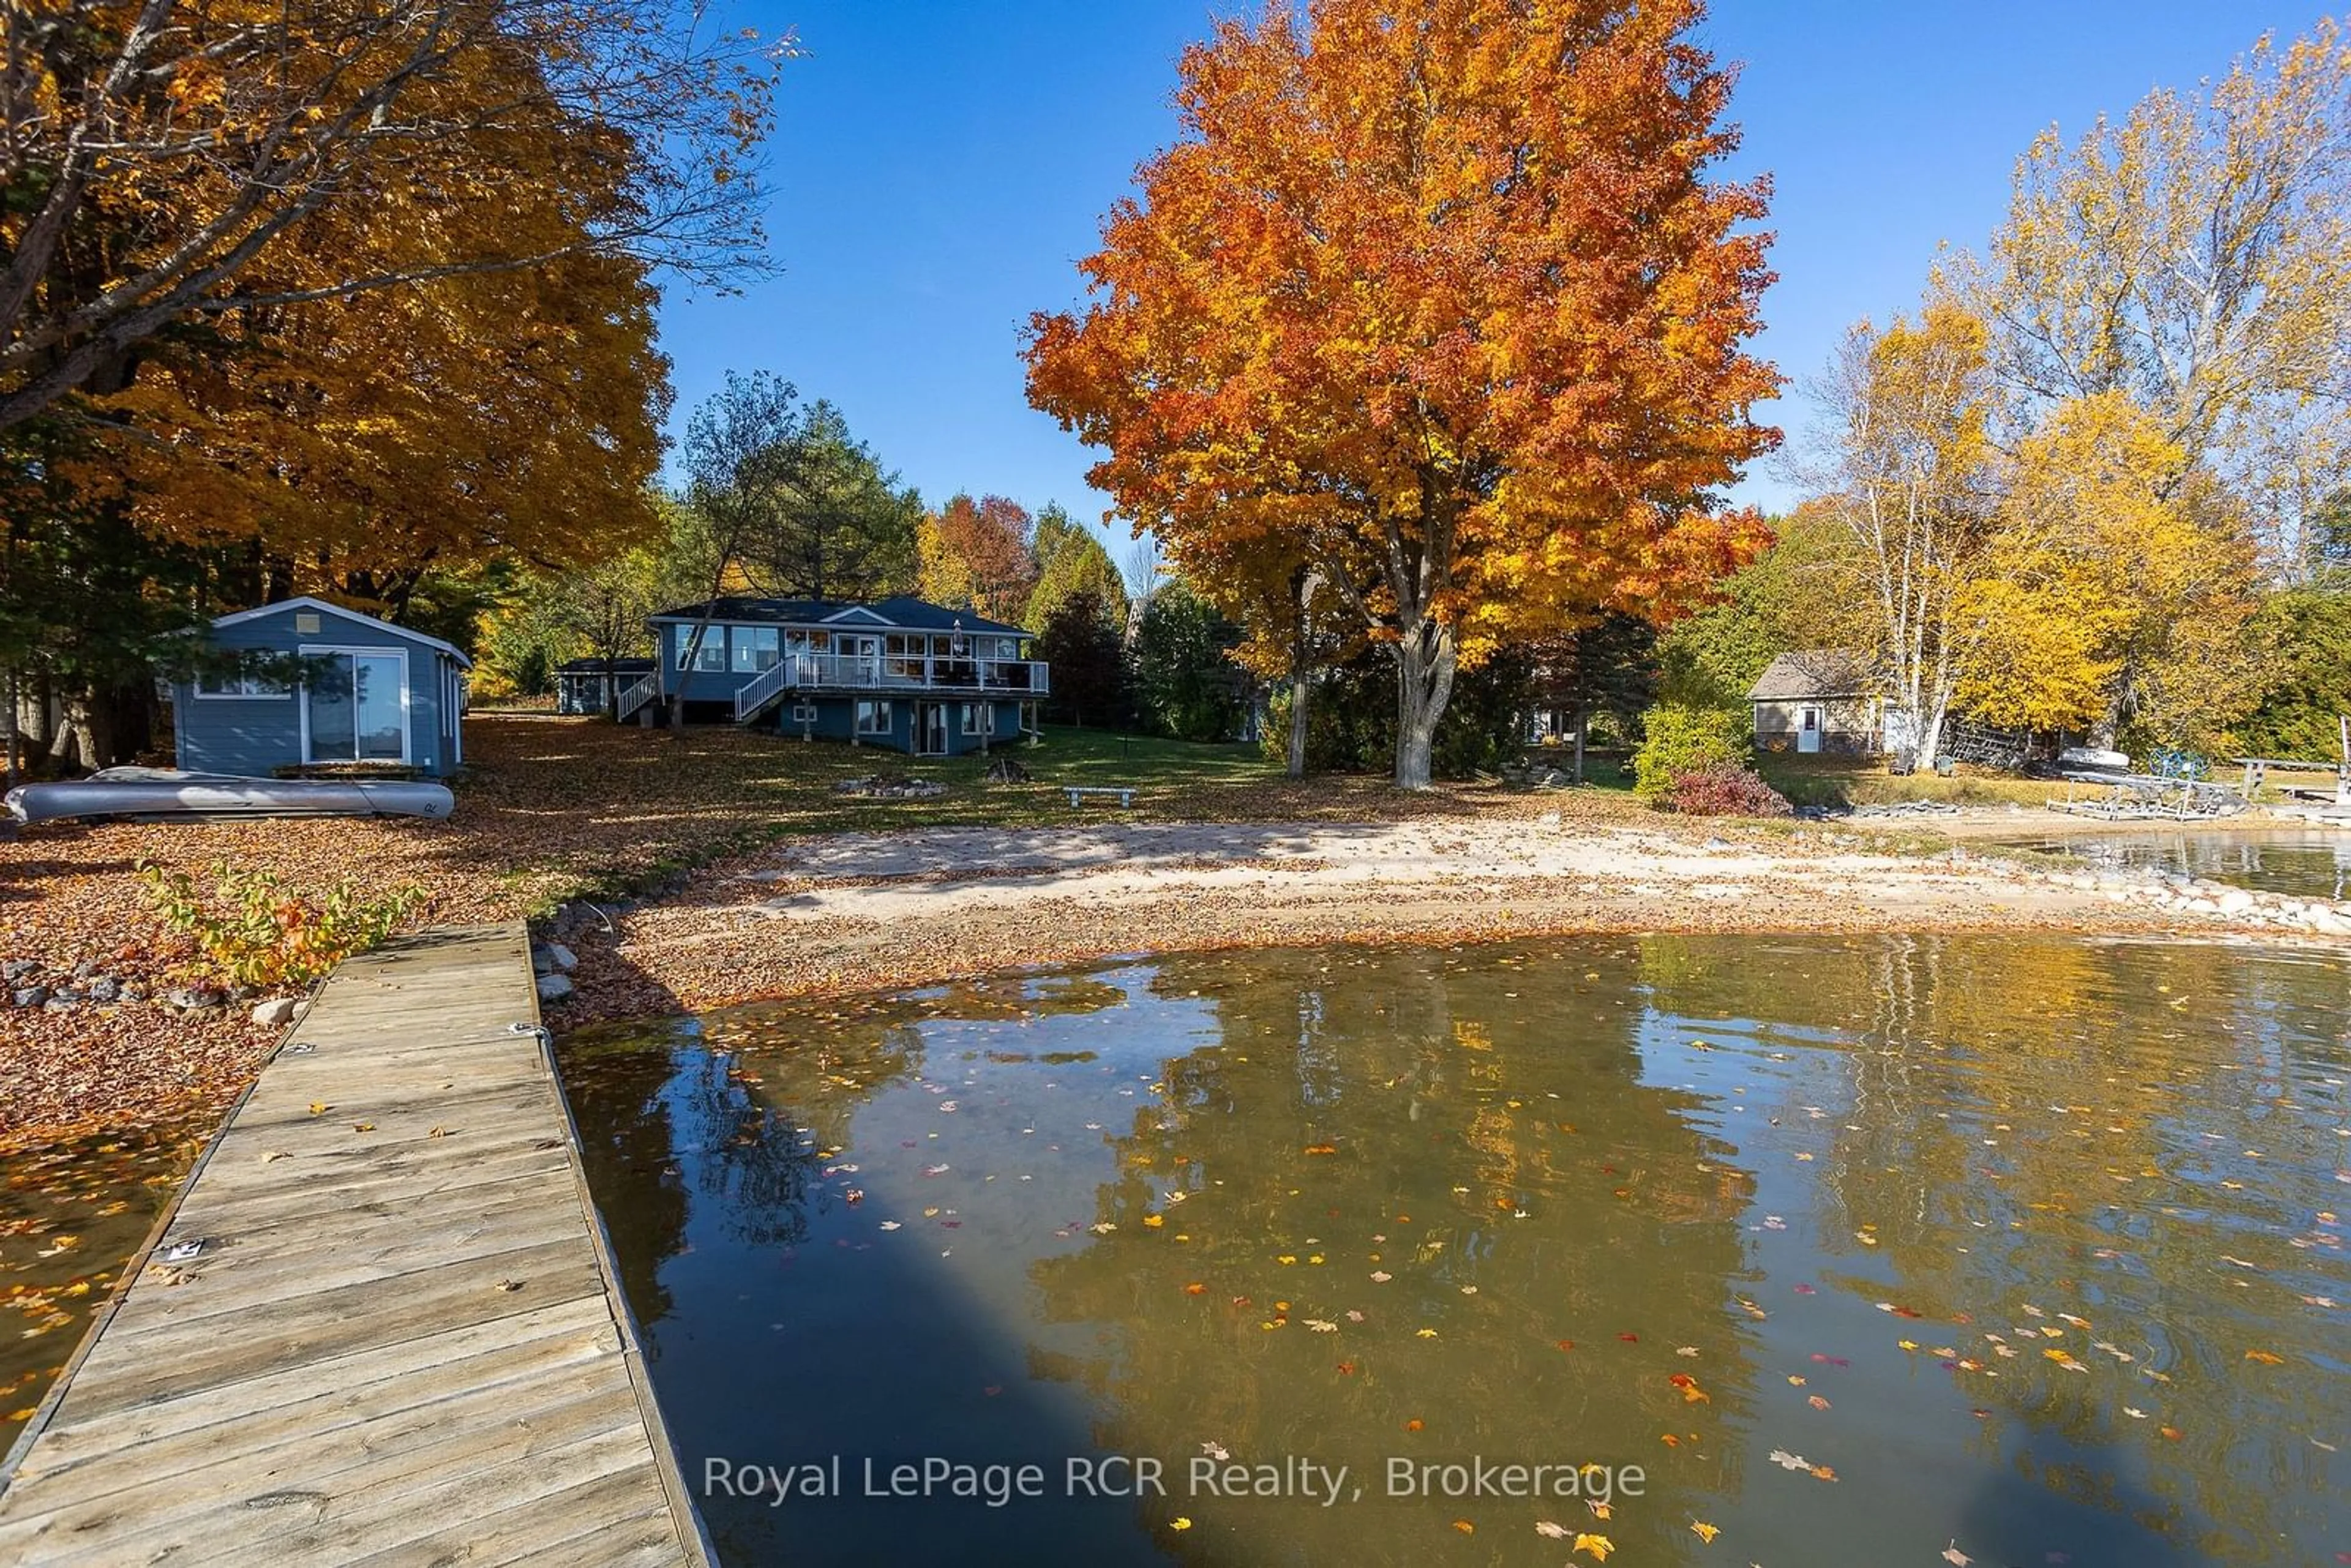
[{"x": 2121, "y": 589}]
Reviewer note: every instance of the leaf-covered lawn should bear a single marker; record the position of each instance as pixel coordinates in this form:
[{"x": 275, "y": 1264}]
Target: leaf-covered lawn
[{"x": 553, "y": 809}]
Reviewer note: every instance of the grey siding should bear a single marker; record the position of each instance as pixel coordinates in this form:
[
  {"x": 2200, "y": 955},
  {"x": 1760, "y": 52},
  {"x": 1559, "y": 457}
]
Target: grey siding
[{"x": 255, "y": 735}]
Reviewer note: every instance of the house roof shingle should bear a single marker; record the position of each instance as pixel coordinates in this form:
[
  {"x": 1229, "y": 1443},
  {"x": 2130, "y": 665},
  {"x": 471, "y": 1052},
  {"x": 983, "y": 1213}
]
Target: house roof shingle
[
  {"x": 1814, "y": 673},
  {"x": 900, "y": 612}
]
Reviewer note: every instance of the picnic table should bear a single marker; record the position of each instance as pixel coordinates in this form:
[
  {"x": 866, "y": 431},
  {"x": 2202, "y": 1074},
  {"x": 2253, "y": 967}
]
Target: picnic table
[{"x": 1078, "y": 793}]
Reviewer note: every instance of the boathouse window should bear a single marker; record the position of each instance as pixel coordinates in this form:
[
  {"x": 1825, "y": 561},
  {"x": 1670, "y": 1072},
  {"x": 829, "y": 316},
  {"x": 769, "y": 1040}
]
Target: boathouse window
[
  {"x": 979, "y": 718},
  {"x": 755, "y": 649},
  {"x": 873, "y": 718}
]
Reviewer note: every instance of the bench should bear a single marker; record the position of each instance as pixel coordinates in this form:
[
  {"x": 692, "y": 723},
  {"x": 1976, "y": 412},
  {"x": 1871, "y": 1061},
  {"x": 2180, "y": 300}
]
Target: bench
[{"x": 1078, "y": 792}]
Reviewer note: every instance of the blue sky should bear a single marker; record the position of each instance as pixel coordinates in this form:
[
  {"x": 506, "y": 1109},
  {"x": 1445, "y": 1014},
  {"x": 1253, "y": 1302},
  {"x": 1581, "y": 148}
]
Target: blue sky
[{"x": 940, "y": 166}]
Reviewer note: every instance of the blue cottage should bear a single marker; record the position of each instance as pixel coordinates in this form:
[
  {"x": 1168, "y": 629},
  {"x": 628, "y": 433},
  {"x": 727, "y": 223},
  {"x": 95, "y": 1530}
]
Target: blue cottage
[
  {"x": 374, "y": 693},
  {"x": 898, "y": 673}
]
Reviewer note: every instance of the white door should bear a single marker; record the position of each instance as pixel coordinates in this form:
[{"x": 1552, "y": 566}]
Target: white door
[{"x": 1808, "y": 729}]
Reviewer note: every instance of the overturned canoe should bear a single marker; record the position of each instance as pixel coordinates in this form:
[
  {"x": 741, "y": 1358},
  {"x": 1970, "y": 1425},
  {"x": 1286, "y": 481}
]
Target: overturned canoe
[{"x": 161, "y": 793}]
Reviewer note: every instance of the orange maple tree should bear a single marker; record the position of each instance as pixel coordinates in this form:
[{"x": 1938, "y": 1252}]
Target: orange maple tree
[
  {"x": 976, "y": 555},
  {"x": 1443, "y": 299}
]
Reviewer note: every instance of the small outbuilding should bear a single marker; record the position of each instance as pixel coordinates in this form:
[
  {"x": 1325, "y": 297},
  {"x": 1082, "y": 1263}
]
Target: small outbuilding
[
  {"x": 594, "y": 685},
  {"x": 1819, "y": 699},
  {"x": 368, "y": 693}
]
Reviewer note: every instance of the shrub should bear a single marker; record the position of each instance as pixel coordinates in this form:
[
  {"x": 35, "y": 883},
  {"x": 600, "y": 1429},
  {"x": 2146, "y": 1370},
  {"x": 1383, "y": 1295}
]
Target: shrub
[
  {"x": 1679, "y": 740},
  {"x": 1726, "y": 792},
  {"x": 256, "y": 931}
]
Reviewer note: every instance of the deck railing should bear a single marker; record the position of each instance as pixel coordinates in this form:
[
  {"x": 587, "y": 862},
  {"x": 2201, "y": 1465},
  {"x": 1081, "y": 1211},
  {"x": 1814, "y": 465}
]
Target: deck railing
[
  {"x": 894, "y": 673},
  {"x": 637, "y": 696}
]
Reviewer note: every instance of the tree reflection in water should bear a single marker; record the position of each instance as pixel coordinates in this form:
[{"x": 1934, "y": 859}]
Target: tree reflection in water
[{"x": 1859, "y": 1247}]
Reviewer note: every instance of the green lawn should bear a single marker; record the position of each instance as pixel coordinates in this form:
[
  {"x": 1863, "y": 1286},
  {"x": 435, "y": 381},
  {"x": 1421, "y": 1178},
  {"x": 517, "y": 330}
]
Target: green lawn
[
  {"x": 556, "y": 808},
  {"x": 1856, "y": 781}
]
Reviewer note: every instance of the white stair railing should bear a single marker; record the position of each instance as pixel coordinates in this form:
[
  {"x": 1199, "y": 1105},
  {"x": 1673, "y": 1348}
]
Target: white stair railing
[
  {"x": 762, "y": 689},
  {"x": 638, "y": 695}
]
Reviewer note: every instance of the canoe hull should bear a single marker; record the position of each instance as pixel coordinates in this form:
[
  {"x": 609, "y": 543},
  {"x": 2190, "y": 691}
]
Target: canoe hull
[{"x": 160, "y": 795}]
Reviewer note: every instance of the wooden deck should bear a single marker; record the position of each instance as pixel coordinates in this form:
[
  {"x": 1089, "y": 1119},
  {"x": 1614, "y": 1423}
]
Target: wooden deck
[{"x": 401, "y": 1340}]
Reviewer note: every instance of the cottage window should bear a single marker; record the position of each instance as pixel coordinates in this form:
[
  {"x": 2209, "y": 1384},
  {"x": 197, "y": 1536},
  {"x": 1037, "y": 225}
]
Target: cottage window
[
  {"x": 979, "y": 718},
  {"x": 218, "y": 685},
  {"x": 873, "y": 718},
  {"x": 804, "y": 713},
  {"x": 755, "y": 649},
  {"x": 711, "y": 655}
]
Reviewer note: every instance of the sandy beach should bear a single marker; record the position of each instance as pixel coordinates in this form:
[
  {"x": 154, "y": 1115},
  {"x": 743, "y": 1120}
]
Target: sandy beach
[{"x": 859, "y": 911}]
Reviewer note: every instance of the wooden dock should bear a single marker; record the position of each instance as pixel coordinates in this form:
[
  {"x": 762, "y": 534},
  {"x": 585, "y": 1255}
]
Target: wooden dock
[{"x": 401, "y": 1340}]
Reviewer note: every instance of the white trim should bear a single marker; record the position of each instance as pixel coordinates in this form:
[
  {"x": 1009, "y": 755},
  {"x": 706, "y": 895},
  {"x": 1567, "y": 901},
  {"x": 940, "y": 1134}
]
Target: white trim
[
  {"x": 841, "y": 615},
  {"x": 304, "y": 602},
  {"x": 407, "y": 714}
]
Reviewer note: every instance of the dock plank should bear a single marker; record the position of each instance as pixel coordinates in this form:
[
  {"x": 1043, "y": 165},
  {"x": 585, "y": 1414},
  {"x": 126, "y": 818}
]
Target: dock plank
[{"x": 401, "y": 1340}]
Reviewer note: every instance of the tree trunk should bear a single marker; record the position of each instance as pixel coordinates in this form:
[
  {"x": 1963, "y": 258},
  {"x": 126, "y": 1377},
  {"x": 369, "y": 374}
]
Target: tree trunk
[
  {"x": 1582, "y": 727},
  {"x": 1298, "y": 682},
  {"x": 85, "y": 736},
  {"x": 1426, "y": 657},
  {"x": 1930, "y": 739}
]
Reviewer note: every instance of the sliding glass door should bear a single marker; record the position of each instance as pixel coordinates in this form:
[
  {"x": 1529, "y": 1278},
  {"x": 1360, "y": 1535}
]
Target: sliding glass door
[{"x": 354, "y": 706}]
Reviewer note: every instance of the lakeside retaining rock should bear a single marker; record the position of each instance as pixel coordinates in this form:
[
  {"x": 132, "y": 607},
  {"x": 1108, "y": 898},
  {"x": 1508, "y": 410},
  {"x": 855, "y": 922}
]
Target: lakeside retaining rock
[
  {"x": 2177, "y": 893},
  {"x": 553, "y": 988}
]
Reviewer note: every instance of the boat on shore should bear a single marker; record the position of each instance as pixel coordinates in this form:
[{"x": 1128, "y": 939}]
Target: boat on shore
[{"x": 165, "y": 794}]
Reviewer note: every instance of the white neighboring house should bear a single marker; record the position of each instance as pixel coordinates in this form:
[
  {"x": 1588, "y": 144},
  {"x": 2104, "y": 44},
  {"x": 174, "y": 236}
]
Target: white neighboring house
[{"x": 1822, "y": 700}]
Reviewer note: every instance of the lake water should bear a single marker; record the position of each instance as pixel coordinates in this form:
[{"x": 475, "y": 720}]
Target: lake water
[
  {"x": 1858, "y": 1252},
  {"x": 69, "y": 1218},
  {"x": 2305, "y": 864}
]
